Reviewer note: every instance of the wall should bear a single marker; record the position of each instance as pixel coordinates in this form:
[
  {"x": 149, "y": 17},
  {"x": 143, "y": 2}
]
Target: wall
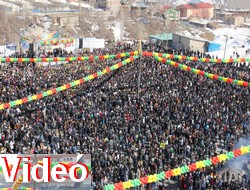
[
  {"x": 205, "y": 13},
  {"x": 177, "y": 40},
  {"x": 211, "y": 13},
  {"x": 172, "y": 14},
  {"x": 187, "y": 43},
  {"x": 236, "y": 21},
  {"x": 183, "y": 12},
  {"x": 197, "y": 45},
  {"x": 239, "y": 21},
  {"x": 189, "y": 12},
  {"x": 165, "y": 43}
]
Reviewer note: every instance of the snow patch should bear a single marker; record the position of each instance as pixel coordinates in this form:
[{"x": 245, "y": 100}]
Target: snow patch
[
  {"x": 116, "y": 27},
  {"x": 94, "y": 27},
  {"x": 238, "y": 40}
]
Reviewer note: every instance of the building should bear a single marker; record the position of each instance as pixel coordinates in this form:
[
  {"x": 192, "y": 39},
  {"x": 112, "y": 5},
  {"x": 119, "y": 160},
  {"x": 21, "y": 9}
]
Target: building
[
  {"x": 165, "y": 39},
  {"x": 186, "y": 10},
  {"x": 184, "y": 42},
  {"x": 199, "y": 23},
  {"x": 170, "y": 13},
  {"x": 223, "y": 15},
  {"x": 235, "y": 20},
  {"x": 139, "y": 8},
  {"x": 247, "y": 19},
  {"x": 215, "y": 25},
  {"x": 232, "y": 18},
  {"x": 198, "y": 10}
]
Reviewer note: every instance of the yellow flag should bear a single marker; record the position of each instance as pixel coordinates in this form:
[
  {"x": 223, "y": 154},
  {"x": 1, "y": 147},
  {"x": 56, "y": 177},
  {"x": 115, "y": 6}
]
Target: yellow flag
[{"x": 140, "y": 48}]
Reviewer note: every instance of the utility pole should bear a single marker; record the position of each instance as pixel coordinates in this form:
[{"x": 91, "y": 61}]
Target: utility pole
[
  {"x": 225, "y": 47},
  {"x": 139, "y": 81},
  {"x": 139, "y": 78}
]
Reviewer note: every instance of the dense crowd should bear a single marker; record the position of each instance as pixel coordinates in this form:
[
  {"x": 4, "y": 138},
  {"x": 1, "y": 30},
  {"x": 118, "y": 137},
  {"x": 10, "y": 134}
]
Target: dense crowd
[{"x": 178, "y": 118}]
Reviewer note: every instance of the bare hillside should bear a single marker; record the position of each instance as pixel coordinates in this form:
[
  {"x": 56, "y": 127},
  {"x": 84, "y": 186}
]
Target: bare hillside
[{"x": 243, "y": 4}]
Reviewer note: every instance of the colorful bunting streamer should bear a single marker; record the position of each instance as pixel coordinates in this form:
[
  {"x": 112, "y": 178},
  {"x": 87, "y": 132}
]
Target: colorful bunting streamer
[
  {"x": 57, "y": 59},
  {"x": 202, "y": 73},
  {"x": 17, "y": 183},
  {"x": 206, "y": 60},
  {"x": 178, "y": 171},
  {"x": 121, "y": 55},
  {"x": 21, "y": 188},
  {"x": 53, "y": 42},
  {"x": 66, "y": 86}
]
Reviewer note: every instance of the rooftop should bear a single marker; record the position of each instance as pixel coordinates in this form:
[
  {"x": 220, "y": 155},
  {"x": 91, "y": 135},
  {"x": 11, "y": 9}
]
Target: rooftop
[
  {"x": 162, "y": 37},
  {"x": 192, "y": 37},
  {"x": 196, "y": 6},
  {"x": 203, "y": 5},
  {"x": 186, "y": 6},
  {"x": 198, "y": 22},
  {"x": 140, "y": 4},
  {"x": 164, "y": 8}
]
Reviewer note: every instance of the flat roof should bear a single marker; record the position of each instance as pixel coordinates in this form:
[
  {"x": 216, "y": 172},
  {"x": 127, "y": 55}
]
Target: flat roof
[
  {"x": 164, "y": 36},
  {"x": 192, "y": 37}
]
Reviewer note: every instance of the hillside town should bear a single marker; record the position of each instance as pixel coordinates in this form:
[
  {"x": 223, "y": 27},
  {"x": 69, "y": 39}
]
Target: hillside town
[{"x": 170, "y": 23}]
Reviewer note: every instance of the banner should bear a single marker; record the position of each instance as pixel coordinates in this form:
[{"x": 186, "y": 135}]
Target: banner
[
  {"x": 57, "y": 41},
  {"x": 49, "y": 36},
  {"x": 92, "y": 43}
]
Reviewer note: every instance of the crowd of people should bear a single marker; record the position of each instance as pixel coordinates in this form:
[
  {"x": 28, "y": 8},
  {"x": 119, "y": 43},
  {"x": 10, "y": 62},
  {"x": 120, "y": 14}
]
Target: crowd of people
[{"x": 177, "y": 118}]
